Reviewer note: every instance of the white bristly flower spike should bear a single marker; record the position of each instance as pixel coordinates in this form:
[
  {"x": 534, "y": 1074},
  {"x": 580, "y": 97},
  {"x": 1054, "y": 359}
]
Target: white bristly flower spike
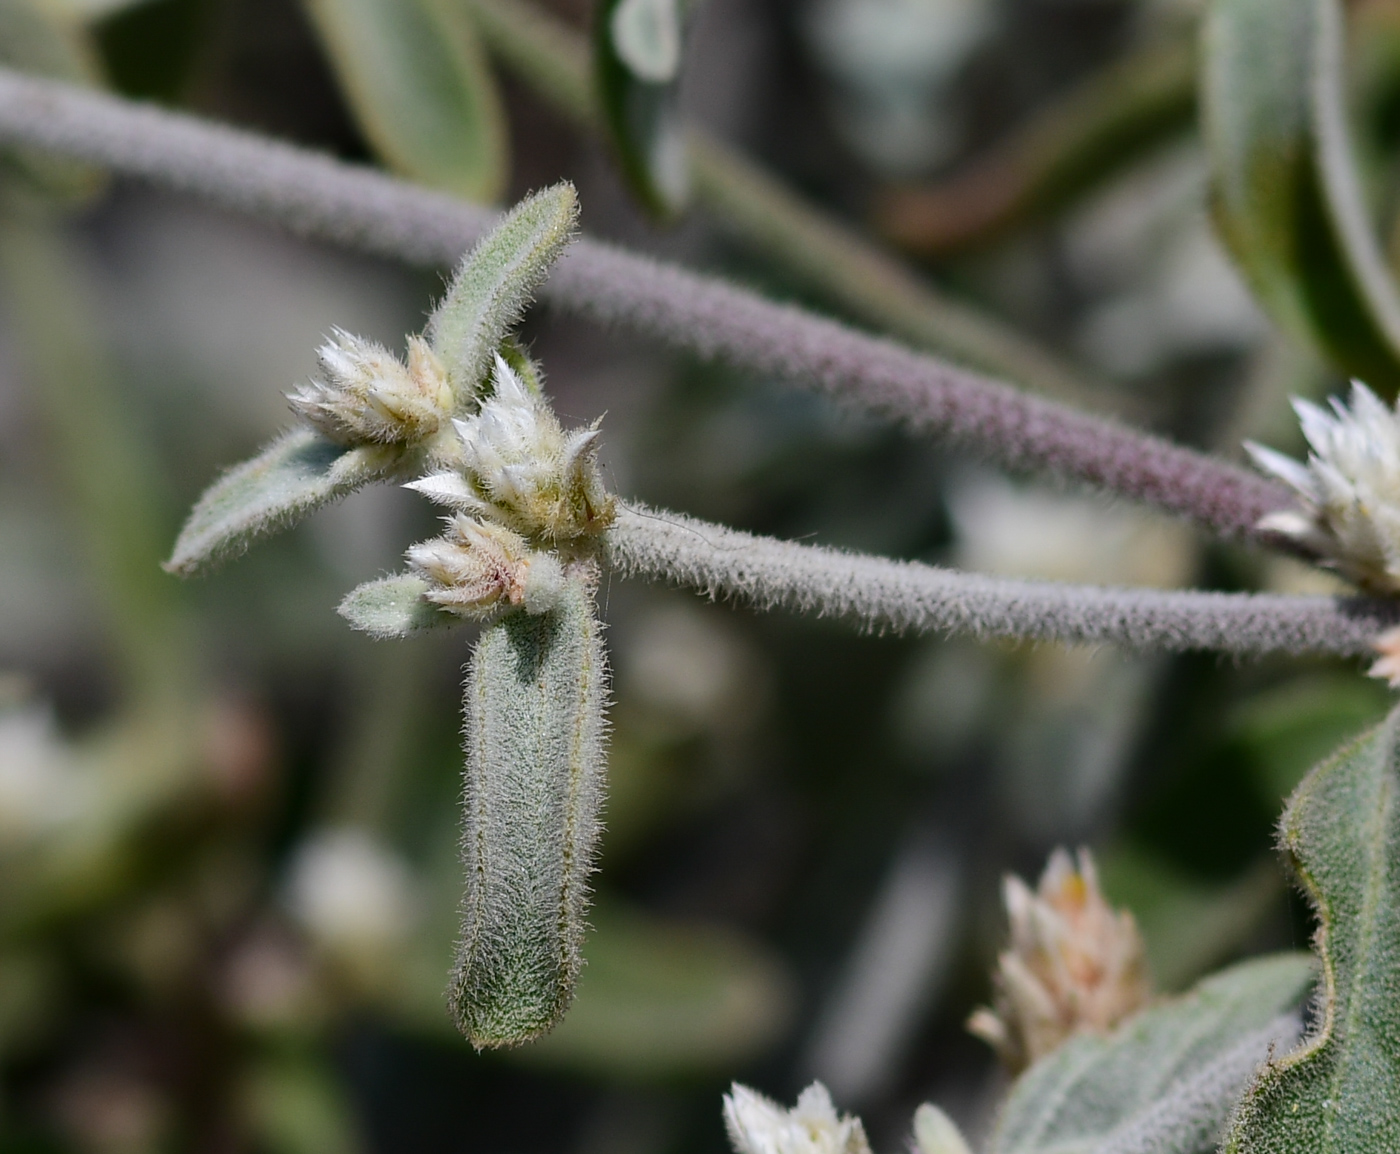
[
  {"x": 365, "y": 394},
  {"x": 520, "y": 469},
  {"x": 1350, "y": 488},
  {"x": 758, "y": 1125},
  {"x": 936, "y": 1133},
  {"x": 1075, "y": 965}
]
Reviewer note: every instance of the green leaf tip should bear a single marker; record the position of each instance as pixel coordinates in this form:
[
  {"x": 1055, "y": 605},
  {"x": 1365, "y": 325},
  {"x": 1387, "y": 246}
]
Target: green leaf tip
[
  {"x": 1166, "y": 1080},
  {"x": 296, "y": 474},
  {"x": 1286, "y": 184},
  {"x": 1340, "y": 1093},
  {"x": 394, "y": 607},
  {"x": 495, "y": 282},
  {"x": 535, "y": 696}
]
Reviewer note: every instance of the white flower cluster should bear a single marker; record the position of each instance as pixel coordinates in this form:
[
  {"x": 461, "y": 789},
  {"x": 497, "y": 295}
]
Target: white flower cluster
[
  {"x": 367, "y": 395},
  {"x": 1350, "y": 488},
  {"x": 758, "y": 1125},
  {"x": 1075, "y": 964},
  {"x": 477, "y": 568},
  {"x": 520, "y": 469}
]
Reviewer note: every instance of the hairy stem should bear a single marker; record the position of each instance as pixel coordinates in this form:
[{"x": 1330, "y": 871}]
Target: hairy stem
[
  {"x": 317, "y": 196},
  {"x": 906, "y": 596},
  {"x": 759, "y": 210}
]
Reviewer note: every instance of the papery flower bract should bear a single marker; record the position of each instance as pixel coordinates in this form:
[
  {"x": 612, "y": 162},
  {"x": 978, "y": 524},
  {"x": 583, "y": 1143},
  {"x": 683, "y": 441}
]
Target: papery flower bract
[
  {"x": 479, "y": 567},
  {"x": 1387, "y": 665},
  {"x": 1075, "y": 964},
  {"x": 936, "y": 1133},
  {"x": 1350, "y": 488},
  {"x": 366, "y": 394},
  {"x": 758, "y": 1125},
  {"x": 520, "y": 468}
]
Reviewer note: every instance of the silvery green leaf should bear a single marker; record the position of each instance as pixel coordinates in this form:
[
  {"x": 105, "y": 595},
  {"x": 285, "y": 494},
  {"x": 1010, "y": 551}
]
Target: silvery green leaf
[
  {"x": 638, "y": 47},
  {"x": 1339, "y": 1094},
  {"x": 1166, "y": 1080},
  {"x": 535, "y": 695},
  {"x": 420, "y": 87},
  {"x": 394, "y": 607},
  {"x": 494, "y": 283},
  {"x": 297, "y": 473},
  {"x": 1287, "y": 184}
]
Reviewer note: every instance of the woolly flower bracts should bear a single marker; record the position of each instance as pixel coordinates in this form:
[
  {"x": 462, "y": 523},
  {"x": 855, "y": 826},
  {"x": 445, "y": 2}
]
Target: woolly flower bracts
[
  {"x": 365, "y": 394},
  {"x": 521, "y": 470},
  {"x": 1075, "y": 965},
  {"x": 1350, "y": 488},
  {"x": 758, "y": 1125}
]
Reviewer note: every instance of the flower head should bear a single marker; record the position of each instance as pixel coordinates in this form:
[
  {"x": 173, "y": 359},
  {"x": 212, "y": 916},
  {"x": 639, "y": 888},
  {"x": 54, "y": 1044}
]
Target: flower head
[
  {"x": 758, "y": 1125},
  {"x": 365, "y": 394},
  {"x": 1075, "y": 964},
  {"x": 519, "y": 467},
  {"x": 478, "y": 568},
  {"x": 1350, "y": 488}
]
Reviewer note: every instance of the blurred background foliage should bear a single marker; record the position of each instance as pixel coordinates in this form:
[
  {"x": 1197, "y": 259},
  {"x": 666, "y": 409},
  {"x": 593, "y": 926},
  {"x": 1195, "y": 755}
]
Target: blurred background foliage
[{"x": 228, "y": 872}]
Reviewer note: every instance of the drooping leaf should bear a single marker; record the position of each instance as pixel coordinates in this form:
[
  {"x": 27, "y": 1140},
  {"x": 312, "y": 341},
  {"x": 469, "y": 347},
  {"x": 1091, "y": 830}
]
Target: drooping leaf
[
  {"x": 394, "y": 607},
  {"x": 535, "y": 695},
  {"x": 419, "y": 85},
  {"x": 296, "y": 474},
  {"x": 1340, "y": 1094},
  {"x": 637, "y": 51},
  {"x": 1286, "y": 184},
  {"x": 1166, "y": 1080},
  {"x": 494, "y": 283}
]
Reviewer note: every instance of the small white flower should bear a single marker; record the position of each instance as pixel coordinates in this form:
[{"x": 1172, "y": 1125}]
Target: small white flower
[
  {"x": 758, "y": 1125},
  {"x": 477, "y": 568},
  {"x": 365, "y": 394},
  {"x": 519, "y": 467},
  {"x": 1350, "y": 488},
  {"x": 1075, "y": 964}
]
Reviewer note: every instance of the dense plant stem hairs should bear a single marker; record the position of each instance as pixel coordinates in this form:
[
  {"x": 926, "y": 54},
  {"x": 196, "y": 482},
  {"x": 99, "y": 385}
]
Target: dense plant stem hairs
[
  {"x": 316, "y": 196},
  {"x": 900, "y": 596}
]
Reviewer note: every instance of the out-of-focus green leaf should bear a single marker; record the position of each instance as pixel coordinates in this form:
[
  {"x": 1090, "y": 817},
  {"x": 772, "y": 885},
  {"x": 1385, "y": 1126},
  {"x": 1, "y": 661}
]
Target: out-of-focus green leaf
[
  {"x": 1165, "y": 1080},
  {"x": 296, "y": 1105},
  {"x": 1287, "y": 187},
  {"x": 420, "y": 87},
  {"x": 34, "y": 39},
  {"x": 1340, "y": 1094},
  {"x": 86, "y": 11},
  {"x": 638, "y": 47},
  {"x": 660, "y": 998},
  {"x": 1190, "y": 927},
  {"x": 393, "y": 607},
  {"x": 293, "y": 476}
]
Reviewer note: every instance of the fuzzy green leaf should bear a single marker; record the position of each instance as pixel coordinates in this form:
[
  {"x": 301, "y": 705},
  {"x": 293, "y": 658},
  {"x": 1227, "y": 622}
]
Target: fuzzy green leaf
[
  {"x": 419, "y": 85},
  {"x": 394, "y": 607},
  {"x": 296, "y": 474},
  {"x": 535, "y": 694},
  {"x": 1288, "y": 199},
  {"x": 1340, "y": 1094},
  {"x": 494, "y": 283},
  {"x": 637, "y": 50},
  {"x": 1166, "y": 1080}
]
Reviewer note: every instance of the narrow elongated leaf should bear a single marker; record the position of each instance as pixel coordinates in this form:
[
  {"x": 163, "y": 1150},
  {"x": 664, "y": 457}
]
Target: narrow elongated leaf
[
  {"x": 1166, "y": 1080},
  {"x": 1287, "y": 191},
  {"x": 420, "y": 88},
  {"x": 494, "y": 283},
  {"x": 535, "y": 694},
  {"x": 1340, "y": 1094},
  {"x": 394, "y": 607},
  {"x": 637, "y": 51},
  {"x": 297, "y": 473}
]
